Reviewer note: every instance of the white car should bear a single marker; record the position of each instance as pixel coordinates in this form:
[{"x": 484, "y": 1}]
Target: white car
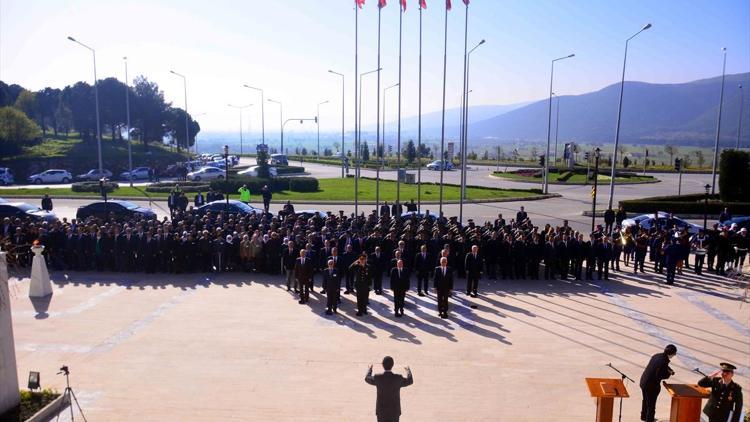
[
  {"x": 51, "y": 176},
  {"x": 138, "y": 173},
  {"x": 206, "y": 173},
  {"x": 6, "y": 176},
  {"x": 646, "y": 221},
  {"x": 253, "y": 171},
  {"x": 436, "y": 165},
  {"x": 95, "y": 175}
]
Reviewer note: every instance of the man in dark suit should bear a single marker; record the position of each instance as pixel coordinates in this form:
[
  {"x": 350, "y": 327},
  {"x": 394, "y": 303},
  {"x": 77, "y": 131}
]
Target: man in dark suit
[
  {"x": 443, "y": 284},
  {"x": 332, "y": 283},
  {"x": 388, "y": 404},
  {"x": 377, "y": 262},
  {"x": 399, "y": 285},
  {"x": 473, "y": 264},
  {"x": 423, "y": 266},
  {"x": 289, "y": 259},
  {"x": 303, "y": 272},
  {"x": 603, "y": 255},
  {"x": 657, "y": 370}
]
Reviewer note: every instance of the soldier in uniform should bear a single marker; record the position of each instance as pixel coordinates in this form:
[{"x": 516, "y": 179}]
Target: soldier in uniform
[
  {"x": 362, "y": 281},
  {"x": 726, "y": 395}
]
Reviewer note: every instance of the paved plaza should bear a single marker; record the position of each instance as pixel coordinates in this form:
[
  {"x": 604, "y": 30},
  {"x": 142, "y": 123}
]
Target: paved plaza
[{"x": 144, "y": 347}]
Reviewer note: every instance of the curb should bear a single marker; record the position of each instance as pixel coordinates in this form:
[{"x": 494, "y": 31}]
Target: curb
[{"x": 510, "y": 179}]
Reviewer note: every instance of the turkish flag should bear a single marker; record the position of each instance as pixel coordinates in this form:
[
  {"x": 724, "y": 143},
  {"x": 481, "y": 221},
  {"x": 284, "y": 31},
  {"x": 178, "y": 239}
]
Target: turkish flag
[
  {"x": 466, "y": 2},
  {"x": 423, "y": 4},
  {"x": 381, "y": 3},
  {"x": 359, "y": 3},
  {"x": 403, "y": 5},
  {"x": 447, "y": 4}
]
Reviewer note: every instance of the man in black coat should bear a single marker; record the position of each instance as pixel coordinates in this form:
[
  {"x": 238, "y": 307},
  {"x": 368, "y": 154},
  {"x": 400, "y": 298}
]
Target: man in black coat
[
  {"x": 388, "y": 403},
  {"x": 423, "y": 266},
  {"x": 473, "y": 263},
  {"x": 377, "y": 263},
  {"x": 399, "y": 285},
  {"x": 657, "y": 370},
  {"x": 332, "y": 283},
  {"x": 603, "y": 255},
  {"x": 303, "y": 272},
  {"x": 443, "y": 284}
]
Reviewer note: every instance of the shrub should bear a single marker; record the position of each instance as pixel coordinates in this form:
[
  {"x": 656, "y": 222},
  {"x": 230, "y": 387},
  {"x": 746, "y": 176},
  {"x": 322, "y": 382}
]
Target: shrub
[
  {"x": 187, "y": 189},
  {"x": 734, "y": 175},
  {"x": 93, "y": 187},
  {"x": 282, "y": 170},
  {"x": 565, "y": 176},
  {"x": 684, "y": 204},
  {"x": 303, "y": 184},
  {"x": 255, "y": 184}
]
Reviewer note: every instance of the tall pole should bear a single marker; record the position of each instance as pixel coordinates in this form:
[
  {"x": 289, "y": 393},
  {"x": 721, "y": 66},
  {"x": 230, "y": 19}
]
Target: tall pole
[
  {"x": 127, "y": 118},
  {"x": 380, "y": 160},
  {"x": 262, "y": 113},
  {"x": 463, "y": 121},
  {"x": 240, "y": 108},
  {"x": 398, "y": 137},
  {"x": 358, "y": 145},
  {"x": 96, "y": 104},
  {"x": 356, "y": 127},
  {"x": 343, "y": 98},
  {"x": 549, "y": 120},
  {"x": 377, "y": 127},
  {"x": 596, "y": 187},
  {"x": 557, "y": 124},
  {"x": 187, "y": 127},
  {"x": 465, "y": 131},
  {"x": 419, "y": 120},
  {"x": 281, "y": 123},
  {"x": 739, "y": 123},
  {"x": 318, "y": 124},
  {"x": 442, "y": 130},
  {"x": 619, "y": 115},
  {"x": 718, "y": 123}
]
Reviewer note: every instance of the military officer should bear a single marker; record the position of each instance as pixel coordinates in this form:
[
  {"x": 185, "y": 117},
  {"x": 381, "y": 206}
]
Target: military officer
[{"x": 726, "y": 395}]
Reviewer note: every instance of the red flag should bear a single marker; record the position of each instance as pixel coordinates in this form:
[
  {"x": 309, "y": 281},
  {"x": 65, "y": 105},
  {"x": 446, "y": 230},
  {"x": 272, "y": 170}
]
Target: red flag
[
  {"x": 381, "y": 3},
  {"x": 447, "y": 4},
  {"x": 423, "y": 4},
  {"x": 466, "y": 2},
  {"x": 359, "y": 3},
  {"x": 403, "y": 5}
]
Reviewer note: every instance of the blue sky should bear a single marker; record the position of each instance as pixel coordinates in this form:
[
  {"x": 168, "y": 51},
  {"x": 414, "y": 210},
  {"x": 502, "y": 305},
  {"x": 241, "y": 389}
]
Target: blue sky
[{"x": 287, "y": 46}]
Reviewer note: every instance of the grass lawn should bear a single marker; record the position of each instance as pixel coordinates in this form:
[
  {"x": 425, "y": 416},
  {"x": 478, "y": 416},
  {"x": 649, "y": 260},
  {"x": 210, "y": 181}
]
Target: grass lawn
[
  {"x": 330, "y": 190},
  {"x": 576, "y": 179}
]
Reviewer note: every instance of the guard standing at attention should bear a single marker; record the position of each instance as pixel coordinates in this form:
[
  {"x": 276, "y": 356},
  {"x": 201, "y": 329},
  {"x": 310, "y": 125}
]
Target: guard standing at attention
[{"x": 726, "y": 395}]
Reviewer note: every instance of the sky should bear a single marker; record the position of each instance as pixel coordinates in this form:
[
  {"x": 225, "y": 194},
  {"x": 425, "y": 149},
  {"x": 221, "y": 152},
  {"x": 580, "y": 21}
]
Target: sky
[{"x": 287, "y": 46}]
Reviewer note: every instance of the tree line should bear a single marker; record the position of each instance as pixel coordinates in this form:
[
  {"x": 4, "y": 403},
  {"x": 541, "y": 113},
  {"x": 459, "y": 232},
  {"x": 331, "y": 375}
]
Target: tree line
[{"x": 61, "y": 111}]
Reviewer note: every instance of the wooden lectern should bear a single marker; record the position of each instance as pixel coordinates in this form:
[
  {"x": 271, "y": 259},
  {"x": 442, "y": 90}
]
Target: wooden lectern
[
  {"x": 686, "y": 401},
  {"x": 606, "y": 390}
]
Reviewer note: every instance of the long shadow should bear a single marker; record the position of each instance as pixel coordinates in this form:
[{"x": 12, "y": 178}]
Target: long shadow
[{"x": 469, "y": 315}]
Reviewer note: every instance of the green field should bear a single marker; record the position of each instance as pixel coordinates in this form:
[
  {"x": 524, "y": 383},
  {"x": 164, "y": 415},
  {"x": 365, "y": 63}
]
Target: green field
[
  {"x": 330, "y": 190},
  {"x": 576, "y": 179}
]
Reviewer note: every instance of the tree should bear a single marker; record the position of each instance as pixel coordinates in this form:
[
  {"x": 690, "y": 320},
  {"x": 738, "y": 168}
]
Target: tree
[
  {"x": 471, "y": 156},
  {"x": 671, "y": 150},
  {"x": 337, "y": 146},
  {"x": 149, "y": 113},
  {"x": 79, "y": 99},
  {"x": 174, "y": 126},
  {"x": 16, "y": 130},
  {"x": 327, "y": 152},
  {"x": 365, "y": 152},
  {"x": 700, "y": 158},
  {"x": 625, "y": 162},
  {"x": 411, "y": 152},
  {"x": 734, "y": 175},
  {"x": 534, "y": 153},
  {"x": 486, "y": 155},
  {"x": 112, "y": 105},
  {"x": 303, "y": 151},
  {"x": 26, "y": 102},
  {"x": 48, "y": 100}
]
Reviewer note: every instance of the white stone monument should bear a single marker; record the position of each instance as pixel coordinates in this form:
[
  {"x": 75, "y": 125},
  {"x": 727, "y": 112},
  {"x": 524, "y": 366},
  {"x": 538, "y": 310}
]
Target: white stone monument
[
  {"x": 40, "y": 285},
  {"x": 9, "y": 396}
]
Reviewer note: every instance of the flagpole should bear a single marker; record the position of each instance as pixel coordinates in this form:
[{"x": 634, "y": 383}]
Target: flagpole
[
  {"x": 377, "y": 124},
  {"x": 463, "y": 123},
  {"x": 419, "y": 120},
  {"x": 398, "y": 138},
  {"x": 356, "y": 137},
  {"x": 442, "y": 130}
]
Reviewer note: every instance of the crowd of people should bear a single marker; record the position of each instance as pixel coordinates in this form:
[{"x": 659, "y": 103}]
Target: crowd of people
[{"x": 356, "y": 254}]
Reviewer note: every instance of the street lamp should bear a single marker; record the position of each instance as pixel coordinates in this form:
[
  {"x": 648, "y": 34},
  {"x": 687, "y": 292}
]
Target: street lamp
[
  {"x": 226, "y": 172},
  {"x": 240, "y": 108},
  {"x": 96, "y": 101},
  {"x": 718, "y": 123},
  {"x": 318, "y": 123},
  {"x": 597, "y": 155},
  {"x": 314, "y": 119},
  {"x": 127, "y": 118},
  {"x": 343, "y": 87},
  {"x": 549, "y": 120},
  {"x": 357, "y": 145},
  {"x": 262, "y": 113},
  {"x": 705, "y": 207},
  {"x": 281, "y": 122},
  {"x": 187, "y": 126},
  {"x": 465, "y": 131},
  {"x": 739, "y": 124},
  {"x": 619, "y": 115},
  {"x": 379, "y": 155},
  {"x": 557, "y": 124}
]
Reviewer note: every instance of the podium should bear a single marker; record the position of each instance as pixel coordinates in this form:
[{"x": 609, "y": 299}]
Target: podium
[
  {"x": 606, "y": 390},
  {"x": 686, "y": 401}
]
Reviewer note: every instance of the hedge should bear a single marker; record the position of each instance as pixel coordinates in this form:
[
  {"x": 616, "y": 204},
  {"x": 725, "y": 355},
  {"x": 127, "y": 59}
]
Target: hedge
[
  {"x": 565, "y": 176},
  {"x": 734, "y": 175},
  {"x": 684, "y": 204},
  {"x": 255, "y": 184},
  {"x": 187, "y": 189},
  {"x": 282, "y": 170},
  {"x": 93, "y": 187}
]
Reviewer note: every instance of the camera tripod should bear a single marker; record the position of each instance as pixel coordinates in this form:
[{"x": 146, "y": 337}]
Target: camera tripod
[{"x": 70, "y": 394}]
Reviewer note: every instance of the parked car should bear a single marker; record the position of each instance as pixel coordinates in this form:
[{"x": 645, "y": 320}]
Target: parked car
[
  {"x": 51, "y": 176},
  {"x": 437, "y": 164},
  {"x": 252, "y": 171},
  {"x": 308, "y": 214},
  {"x": 740, "y": 221},
  {"x": 420, "y": 215},
  {"x": 120, "y": 209},
  {"x": 232, "y": 206},
  {"x": 279, "y": 160},
  {"x": 206, "y": 173},
  {"x": 94, "y": 175},
  {"x": 646, "y": 221},
  {"x": 6, "y": 176},
  {"x": 138, "y": 173},
  {"x": 23, "y": 210}
]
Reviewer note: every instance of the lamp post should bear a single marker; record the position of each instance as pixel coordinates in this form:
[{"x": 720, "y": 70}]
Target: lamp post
[
  {"x": 187, "y": 127},
  {"x": 380, "y": 156},
  {"x": 357, "y": 143},
  {"x": 226, "y": 172},
  {"x": 127, "y": 118},
  {"x": 318, "y": 124},
  {"x": 240, "y": 108},
  {"x": 314, "y": 119},
  {"x": 281, "y": 122},
  {"x": 465, "y": 131},
  {"x": 739, "y": 124},
  {"x": 262, "y": 114},
  {"x": 705, "y": 207},
  {"x": 597, "y": 155},
  {"x": 718, "y": 123},
  {"x": 557, "y": 124},
  {"x": 343, "y": 89},
  {"x": 549, "y": 120},
  {"x": 96, "y": 103},
  {"x": 619, "y": 115}
]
